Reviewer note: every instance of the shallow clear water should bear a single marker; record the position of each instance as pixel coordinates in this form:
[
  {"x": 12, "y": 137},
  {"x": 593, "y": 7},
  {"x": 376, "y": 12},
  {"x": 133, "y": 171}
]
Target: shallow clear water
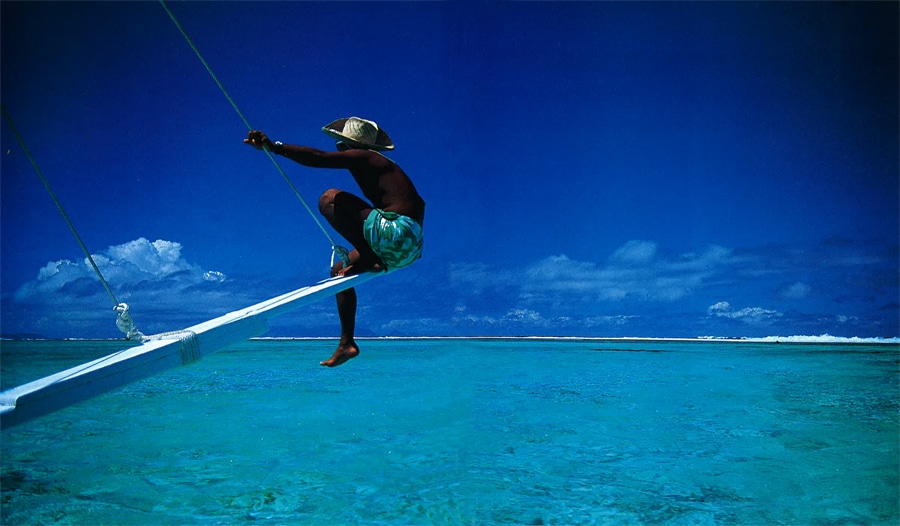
[{"x": 469, "y": 431}]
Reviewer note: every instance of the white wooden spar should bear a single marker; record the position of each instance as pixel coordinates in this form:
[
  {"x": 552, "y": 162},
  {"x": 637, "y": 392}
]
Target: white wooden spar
[{"x": 158, "y": 354}]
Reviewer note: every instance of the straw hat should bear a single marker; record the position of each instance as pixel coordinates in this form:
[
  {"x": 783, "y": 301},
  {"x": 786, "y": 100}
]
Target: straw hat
[{"x": 359, "y": 133}]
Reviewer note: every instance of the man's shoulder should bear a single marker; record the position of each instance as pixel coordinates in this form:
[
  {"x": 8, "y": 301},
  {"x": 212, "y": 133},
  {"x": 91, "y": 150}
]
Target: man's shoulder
[{"x": 375, "y": 158}]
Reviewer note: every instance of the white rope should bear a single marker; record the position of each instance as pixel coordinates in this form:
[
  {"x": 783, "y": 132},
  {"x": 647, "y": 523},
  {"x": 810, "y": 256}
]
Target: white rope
[
  {"x": 190, "y": 348},
  {"x": 126, "y": 324},
  {"x": 190, "y": 345}
]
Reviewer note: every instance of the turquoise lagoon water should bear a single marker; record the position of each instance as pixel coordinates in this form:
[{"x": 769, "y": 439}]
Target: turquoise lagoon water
[{"x": 468, "y": 432}]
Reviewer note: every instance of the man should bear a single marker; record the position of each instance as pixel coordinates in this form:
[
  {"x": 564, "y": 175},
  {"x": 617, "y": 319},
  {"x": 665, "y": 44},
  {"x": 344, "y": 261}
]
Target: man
[{"x": 386, "y": 234}]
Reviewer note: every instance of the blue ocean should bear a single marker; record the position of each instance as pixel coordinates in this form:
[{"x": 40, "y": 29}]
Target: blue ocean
[{"x": 468, "y": 431}]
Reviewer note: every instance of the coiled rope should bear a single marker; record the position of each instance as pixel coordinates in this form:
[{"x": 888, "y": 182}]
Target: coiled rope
[
  {"x": 123, "y": 321},
  {"x": 340, "y": 251}
]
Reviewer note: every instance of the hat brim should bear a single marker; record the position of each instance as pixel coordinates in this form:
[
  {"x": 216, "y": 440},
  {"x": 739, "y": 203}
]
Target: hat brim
[{"x": 335, "y": 130}]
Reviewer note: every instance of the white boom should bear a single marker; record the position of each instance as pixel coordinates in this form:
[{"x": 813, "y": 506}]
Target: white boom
[{"x": 160, "y": 353}]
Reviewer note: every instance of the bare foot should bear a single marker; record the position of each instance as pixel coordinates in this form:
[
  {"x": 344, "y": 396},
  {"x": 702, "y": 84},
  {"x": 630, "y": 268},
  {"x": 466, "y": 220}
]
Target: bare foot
[
  {"x": 343, "y": 353},
  {"x": 356, "y": 266}
]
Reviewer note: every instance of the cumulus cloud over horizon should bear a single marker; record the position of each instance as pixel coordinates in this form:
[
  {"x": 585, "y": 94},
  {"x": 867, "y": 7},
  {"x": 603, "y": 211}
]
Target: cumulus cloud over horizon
[
  {"x": 632, "y": 289},
  {"x": 634, "y": 271},
  {"x": 165, "y": 291},
  {"x": 751, "y": 315},
  {"x": 125, "y": 266},
  {"x": 642, "y": 289},
  {"x": 638, "y": 289}
]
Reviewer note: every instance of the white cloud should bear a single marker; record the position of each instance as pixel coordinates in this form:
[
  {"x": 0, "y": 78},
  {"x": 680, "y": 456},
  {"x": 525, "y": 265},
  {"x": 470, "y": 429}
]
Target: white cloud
[
  {"x": 558, "y": 294},
  {"x": 667, "y": 291},
  {"x": 525, "y": 321},
  {"x": 608, "y": 321},
  {"x": 164, "y": 290},
  {"x": 635, "y": 251},
  {"x": 634, "y": 271},
  {"x": 751, "y": 315},
  {"x": 52, "y": 277},
  {"x": 123, "y": 266},
  {"x": 637, "y": 289},
  {"x": 159, "y": 258},
  {"x": 523, "y": 316},
  {"x": 214, "y": 275}
]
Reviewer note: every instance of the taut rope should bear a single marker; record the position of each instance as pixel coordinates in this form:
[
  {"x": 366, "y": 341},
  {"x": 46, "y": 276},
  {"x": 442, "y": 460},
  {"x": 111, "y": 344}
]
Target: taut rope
[
  {"x": 123, "y": 321},
  {"x": 337, "y": 249}
]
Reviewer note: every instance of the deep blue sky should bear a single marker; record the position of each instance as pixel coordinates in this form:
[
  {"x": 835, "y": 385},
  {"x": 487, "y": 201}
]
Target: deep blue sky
[{"x": 596, "y": 169}]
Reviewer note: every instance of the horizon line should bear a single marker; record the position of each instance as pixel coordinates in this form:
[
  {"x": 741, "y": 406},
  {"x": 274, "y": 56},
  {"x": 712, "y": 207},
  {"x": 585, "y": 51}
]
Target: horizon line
[{"x": 824, "y": 338}]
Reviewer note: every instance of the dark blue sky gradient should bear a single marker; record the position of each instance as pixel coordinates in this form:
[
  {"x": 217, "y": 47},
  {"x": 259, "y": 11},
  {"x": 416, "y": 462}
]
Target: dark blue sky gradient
[{"x": 597, "y": 169}]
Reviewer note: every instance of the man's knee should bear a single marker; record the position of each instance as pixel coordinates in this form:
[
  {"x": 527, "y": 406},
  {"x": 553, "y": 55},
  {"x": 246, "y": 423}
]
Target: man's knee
[{"x": 326, "y": 202}]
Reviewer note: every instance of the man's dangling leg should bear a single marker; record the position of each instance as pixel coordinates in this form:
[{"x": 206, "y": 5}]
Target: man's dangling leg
[{"x": 347, "y": 348}]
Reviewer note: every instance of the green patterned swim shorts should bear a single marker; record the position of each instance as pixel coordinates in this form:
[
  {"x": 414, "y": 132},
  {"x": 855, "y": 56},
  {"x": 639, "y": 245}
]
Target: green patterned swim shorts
[{"x": 395, "y": 239}]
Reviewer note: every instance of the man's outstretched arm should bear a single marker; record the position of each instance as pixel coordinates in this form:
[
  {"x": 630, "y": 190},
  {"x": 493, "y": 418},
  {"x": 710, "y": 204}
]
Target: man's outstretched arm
[{"x": 307, "y": 156}]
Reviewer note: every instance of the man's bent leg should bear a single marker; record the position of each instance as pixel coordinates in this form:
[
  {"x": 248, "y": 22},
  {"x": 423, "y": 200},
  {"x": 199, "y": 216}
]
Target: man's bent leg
[
  {"x": 347, "y": 213},
  {"x": 347, "y": 348}
]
